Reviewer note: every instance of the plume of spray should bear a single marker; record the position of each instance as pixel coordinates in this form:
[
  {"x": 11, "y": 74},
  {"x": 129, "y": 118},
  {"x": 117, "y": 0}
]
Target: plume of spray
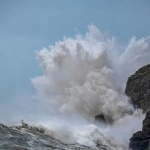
[{"x": 85, "y": 76}]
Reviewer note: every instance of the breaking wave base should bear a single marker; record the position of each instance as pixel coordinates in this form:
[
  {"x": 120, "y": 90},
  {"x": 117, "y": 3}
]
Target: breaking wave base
[{"x": 86, "y": 76}]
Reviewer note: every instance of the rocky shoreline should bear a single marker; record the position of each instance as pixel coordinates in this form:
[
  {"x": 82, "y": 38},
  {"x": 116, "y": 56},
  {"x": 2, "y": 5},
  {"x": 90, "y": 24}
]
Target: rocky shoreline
[{"x": 25, "y": 137}]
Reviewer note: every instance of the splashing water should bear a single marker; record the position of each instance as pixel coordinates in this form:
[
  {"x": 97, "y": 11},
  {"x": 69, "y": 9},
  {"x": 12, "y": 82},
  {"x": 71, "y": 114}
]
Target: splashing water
[{"x": 86, "y": 76}]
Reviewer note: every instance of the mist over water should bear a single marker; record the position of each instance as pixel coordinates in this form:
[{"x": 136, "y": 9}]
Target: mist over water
[{"x": 85, "y": 76}]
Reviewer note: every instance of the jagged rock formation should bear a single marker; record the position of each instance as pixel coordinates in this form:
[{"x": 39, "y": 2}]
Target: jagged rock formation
[
  {"x": 140, "y": 140},
  {"x": 138, "y": 88},
  {"x": 25, "y": 137}
]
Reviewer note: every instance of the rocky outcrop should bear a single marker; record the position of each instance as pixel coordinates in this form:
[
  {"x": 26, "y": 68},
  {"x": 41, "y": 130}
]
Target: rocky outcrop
[
  {"x": 146, "y": 123},
  {"x": 138, "y": 88},
  {"x": 141, "y": 139}
]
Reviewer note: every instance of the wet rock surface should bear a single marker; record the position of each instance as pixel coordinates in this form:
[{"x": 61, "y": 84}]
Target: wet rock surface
[
  {"x": 140, "y": 140},
  {"x": 138, "y": 88},
  {"x": 146, "y": 123},
  {"x": 26, "y": 137}
]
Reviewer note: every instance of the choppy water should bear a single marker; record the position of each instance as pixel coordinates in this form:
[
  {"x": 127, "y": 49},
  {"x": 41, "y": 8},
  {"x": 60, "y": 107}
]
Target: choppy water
[{"x": 29, "y": 138}]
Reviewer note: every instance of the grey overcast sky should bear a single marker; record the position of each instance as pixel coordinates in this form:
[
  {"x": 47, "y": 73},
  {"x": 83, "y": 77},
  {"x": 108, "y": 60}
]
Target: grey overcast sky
[{"x": 29, "y": 25}]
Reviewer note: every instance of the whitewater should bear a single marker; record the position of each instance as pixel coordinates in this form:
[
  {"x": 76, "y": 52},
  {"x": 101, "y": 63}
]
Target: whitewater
[{"x": 86, "y": 76}]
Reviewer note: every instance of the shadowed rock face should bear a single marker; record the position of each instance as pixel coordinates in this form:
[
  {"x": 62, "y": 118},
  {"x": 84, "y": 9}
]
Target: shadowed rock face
[
  {"x": 146, "y": 123},
  {"x": 140, "y": 140},
  {"x": 138, "y": 88}
]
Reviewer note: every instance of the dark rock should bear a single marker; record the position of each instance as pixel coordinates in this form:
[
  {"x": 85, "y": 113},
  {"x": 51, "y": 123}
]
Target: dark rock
[
  {"x": 146, "y": 123},
  {"x": 100, "y": 120},
  {"x": 140, "y": 140},
  {"x": 138, "y": 88}
]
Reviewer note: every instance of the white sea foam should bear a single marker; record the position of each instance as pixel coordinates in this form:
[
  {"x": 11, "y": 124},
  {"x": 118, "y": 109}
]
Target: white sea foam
[{"x": 86, "y": 76}]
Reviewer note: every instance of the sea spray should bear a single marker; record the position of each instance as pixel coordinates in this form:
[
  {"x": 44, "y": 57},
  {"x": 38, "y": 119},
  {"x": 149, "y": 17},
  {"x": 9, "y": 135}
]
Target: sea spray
[{"x": 85, "y": 76}]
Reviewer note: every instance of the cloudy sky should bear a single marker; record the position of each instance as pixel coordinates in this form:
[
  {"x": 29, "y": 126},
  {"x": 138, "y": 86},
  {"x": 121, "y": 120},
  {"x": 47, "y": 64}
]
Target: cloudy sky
[{"x": 29, "y": 25}]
